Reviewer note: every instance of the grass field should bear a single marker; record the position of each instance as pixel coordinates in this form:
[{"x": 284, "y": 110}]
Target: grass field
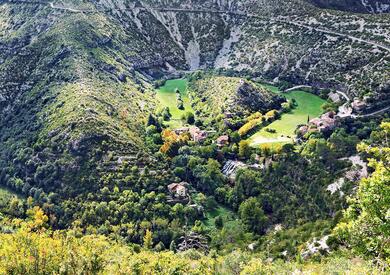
[
  {"x": 308, "y": 105},
  {"x": 167, "y": 97},
  {"x": 228, "y": 216}
]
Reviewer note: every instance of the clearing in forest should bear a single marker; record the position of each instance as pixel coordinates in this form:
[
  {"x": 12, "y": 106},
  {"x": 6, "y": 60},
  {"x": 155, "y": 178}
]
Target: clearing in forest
[
  {"x": 308, "y": 106},
  {"x": 167, "y": 97}
]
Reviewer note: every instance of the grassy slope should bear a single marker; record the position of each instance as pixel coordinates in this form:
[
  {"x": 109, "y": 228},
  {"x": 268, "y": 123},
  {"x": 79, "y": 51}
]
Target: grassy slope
[
  {"x": 227, "y": 215},
  {"x": 76, "y": 105},
  {"x": 167, "y": 97},
  {"x": 308, "y": 105}
]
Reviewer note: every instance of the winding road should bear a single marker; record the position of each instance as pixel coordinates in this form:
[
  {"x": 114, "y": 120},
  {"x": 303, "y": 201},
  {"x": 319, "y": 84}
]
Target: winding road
[
  {"x": 353, "y": 38},
  {"x": 373, "y": 113},
  {"x": 297, "y": 88},
  {"x": 343, "y": 95}
]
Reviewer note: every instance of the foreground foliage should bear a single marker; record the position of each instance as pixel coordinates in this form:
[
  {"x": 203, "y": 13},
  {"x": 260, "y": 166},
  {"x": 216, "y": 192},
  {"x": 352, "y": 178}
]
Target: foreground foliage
[
  {"x": 26, "y": 252},
  {"x": 367, "y": 228}
]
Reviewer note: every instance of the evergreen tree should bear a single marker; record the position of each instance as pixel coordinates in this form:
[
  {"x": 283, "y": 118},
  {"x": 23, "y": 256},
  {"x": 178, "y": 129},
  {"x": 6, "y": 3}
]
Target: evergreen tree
[
  {"x": 172, "y": 246},
  {"x": 218, "y": 222}
]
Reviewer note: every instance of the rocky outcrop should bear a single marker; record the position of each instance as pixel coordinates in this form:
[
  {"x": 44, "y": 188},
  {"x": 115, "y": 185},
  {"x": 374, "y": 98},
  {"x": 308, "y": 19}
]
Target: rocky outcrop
[
  {"x": 255, "y": 99},
  {"x": 364, "y": 6}
]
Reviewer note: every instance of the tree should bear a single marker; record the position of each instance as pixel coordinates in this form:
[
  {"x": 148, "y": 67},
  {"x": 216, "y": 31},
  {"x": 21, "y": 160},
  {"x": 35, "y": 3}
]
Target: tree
[
  {"x": 159, "y": 247},
  {"x": 38, "y": 219},
  {"x": 166, "y": 114},
  {"x": 253, "y": 216},
  {"x": 244, "y": 149},
  {"x": 367, "y": 228},
  {"x": 288, "y": 148},
  {"x": 272, "y": 115},
  {"x": 148, "y": 239},
  {"x": 172, "y": 246},
  {"x": 212, "y": 177},
  {"x": 246, "y": 184},
  {"x": 218, "y": 222},
  {"x": 342, "y": 143},
  {"x": 190, "y": 118},
  {"x": 151, "y": 120},
  {"x": 235, "y": 137}
]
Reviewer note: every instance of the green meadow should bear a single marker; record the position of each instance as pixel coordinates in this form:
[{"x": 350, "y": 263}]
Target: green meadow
[
  {"x": 227, "y": 215},
  {"x": 167, "y": 98},
  {"x": 308, "y": 105}
]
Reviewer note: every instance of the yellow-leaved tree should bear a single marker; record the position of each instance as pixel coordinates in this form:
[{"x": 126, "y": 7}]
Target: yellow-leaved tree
[{"x": 367, "y": 225}]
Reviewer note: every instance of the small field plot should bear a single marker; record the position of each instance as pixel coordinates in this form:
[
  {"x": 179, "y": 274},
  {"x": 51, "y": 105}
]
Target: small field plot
[
  {"x": 308, "y": 107},
  {"x": 227, "y": 215},
  {"x": 167, "y": 97}
]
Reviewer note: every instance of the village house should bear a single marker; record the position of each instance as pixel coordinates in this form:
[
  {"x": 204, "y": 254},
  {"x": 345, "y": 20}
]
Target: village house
[
  {"x": 182, "y": 130},
  {"x": 222, "y": 141},
  {"x": 327, "y": 122},
  {"x": 197, "y": 134},
  {"x": 358, "y": 105},
  {"x": 178, "y": 190},
  {"x": 303, "y": 130}
]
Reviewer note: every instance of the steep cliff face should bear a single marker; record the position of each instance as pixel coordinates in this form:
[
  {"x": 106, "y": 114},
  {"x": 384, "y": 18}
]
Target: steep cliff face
[
  {"x": 277, "y": 39},
  {"x": 365, "y": 6}
]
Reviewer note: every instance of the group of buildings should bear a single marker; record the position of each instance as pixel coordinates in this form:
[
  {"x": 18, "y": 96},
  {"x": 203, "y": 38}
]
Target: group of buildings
[
  {"x": 198, "y": 135},
  {"x": 325, "y": 123},
  {"x": 179, "y": 191}
]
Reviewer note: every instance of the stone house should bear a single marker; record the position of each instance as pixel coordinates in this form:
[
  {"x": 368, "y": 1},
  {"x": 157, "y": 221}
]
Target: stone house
[
  {"x": 327, "y": 122},
  {"x": 182, "y": 130},
  {"x": 359, "y": 105},
  {"x": 222, "y": 141},
  {"x": 198, "y": 135},
  {"x": 178, "y": 190}
]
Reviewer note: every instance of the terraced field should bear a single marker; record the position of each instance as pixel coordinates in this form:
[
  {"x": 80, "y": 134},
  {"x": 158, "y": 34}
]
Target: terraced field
[
  {"x": 167, "y": 98},
  {"x": 308, "y": 105}
]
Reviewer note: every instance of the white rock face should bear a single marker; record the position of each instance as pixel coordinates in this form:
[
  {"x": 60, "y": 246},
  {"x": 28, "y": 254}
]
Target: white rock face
[
  {"x": 192, "y": 55},
  {"x": 336, "y": 186},
  {"x": 376, "y": 6},
  {"x": 359, "y": 170},
  {"x": 356, "y": 173},
  {"x": 316, "y": 246},
  {"x": 222, "y": 60}
]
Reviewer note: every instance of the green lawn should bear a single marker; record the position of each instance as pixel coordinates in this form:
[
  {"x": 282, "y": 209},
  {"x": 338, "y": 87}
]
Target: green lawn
[
  {"x": 167, "y": 97},
  {"x": 308, "y": 105},
  {"x": 228, "y": 216}
]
